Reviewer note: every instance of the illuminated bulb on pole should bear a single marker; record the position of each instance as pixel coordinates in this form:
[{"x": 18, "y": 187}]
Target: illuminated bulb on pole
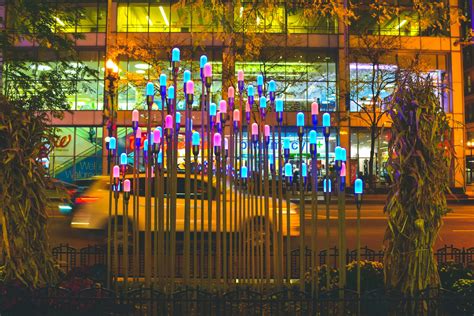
[
  {"x": 247, "y": 112},
  {"x": 304, "y": 171},
  {"x": 313, "y": 141},
  {"x": 327, "y": 186},
  {"x": 300, "y": 124},
  {"x": 255, "y": 133},
  {"x": 286, "y": 148},
  {"x": 272, "y": 90},
  {"x": 189, "y": 93},
  {"x": 279, "y": 111},
  {"x": 314, "y": 113},
  {"x": 289, "y": 172},
  {"x": 208, "y": 75},
  {"x": 230, "y": 97},
  {"x": 266, "y": 133},
  {"x": 223, "y": 110},
  {"x": 244, "y": 172},
  {"x": 236, "y": 120},
  {"x": 178, "y": 121},
  {"x": 175, "y": 55},
  {"x": 169, "y": 125},
  {"x": 240, "y": 81},
  {"x": 343, "y": 177},
  {"x": 163, "y": 86},
  {"x": 226, "y": 146},
  {"x": 196, "y": 140},
  {"x": 123, "y": 159},
  {"x": 186, "y": 78},
  {"x": 138, "y": 139},
  {"x": 126, "y": 186},
  {"x": 171, "y": 93},
  {"x": 250, "y": 94},
  {"x": 326, "y": 124},
  {"x": 112, "y": 144},
  {"x": 135, "y": 118},
  {"x": 217, "y": 143},
  {"x": 260, "y": 85},
  {"x": 263, "y": 106},
  {"x": 202, "y": 62},
  {"x": 358, "y": 191},
  {"x": 156, "y": 140},
  {"x": 150, "y": 89}
]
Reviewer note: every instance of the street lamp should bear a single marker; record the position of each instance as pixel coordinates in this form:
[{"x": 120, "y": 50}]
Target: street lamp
[{"x": 470, "y": 145}]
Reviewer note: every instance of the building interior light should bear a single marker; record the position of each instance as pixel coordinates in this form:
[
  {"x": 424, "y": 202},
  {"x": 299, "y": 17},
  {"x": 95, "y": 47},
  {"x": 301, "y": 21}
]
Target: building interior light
[
  {"x": 60, "y": 22},
  {"x": 163, "y": 14},
  {"x": 402, "y": 23},
  {"x": 241, "y": 12},
  {"x": 142, "y": 66},
  {"x": 149, "y": 20},
  {"x": 140, "y": 71}
]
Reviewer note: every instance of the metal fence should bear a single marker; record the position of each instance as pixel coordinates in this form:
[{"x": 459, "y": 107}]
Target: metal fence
[
  {"x": 69, "y": 258},
  {"x": 240, "y": 301}
]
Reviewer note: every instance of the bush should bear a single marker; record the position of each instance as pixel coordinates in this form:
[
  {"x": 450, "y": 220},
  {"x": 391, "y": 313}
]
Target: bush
[
  {"x": 321, "y": 273},
  {"x": 464, "y": 288},
  {"x": 371, "y": 275},
  {"x": 451, "y": 272}
]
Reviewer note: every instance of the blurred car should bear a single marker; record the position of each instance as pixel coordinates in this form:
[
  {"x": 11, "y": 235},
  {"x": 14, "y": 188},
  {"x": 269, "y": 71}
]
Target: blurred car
[
  {"x": 92, "y": 207},
  {"x": 59, "y": 195}
]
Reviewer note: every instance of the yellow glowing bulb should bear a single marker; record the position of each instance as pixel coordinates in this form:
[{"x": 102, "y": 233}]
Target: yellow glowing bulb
[{"x": 110, "y": 64}]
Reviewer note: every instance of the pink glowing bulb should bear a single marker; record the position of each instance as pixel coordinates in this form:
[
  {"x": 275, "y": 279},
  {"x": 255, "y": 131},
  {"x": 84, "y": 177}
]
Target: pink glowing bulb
[
  {"x": 218, "y": 117},
  {"x": 116, "y": 172},
  {"x": 267, "y": 131},
  {"x": 236, "y": 116},
  {"x": 247, "y": 107},
  {"x": 139, "y": 134},
  {"x": 240, "y": 75},
  {"x": 157, "y": 136},
  {"x": 223, "y": 106},
  {"x": 226, "y": 143},
  {"x": 314, "y": 108},
  {"x": 207, "y": 70},
  {"x": 217, "y": 140},
  {"x": 254, "y": 129},
  {"x": 230, "y": 92},
  {"x": 190, "y": 87},
  {"x": 135, "y": 115},
  {"x": 343, "y": 169},
  {"x": 126, "y": 186},
  {"x": 169, "y": 121}
]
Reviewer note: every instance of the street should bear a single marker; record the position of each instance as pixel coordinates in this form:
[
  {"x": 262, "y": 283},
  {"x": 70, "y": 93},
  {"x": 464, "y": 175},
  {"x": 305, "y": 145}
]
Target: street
[{"x": 457, "y": 229}]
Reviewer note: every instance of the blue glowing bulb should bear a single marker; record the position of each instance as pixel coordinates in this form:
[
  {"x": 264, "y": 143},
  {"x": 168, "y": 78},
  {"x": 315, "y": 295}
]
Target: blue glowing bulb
[
  {"x": 358, "y": 186},
  {"x": 123, "y": 159},
  {"x": 178, "y": 117},
  {"x": 286, "y": 143},
  {"x": 304, "y": 170},
  {"x": 279, "y": 105},
  {"x": 244, "y": 172},
  {"x": 271, "y": 159},
  {"x": 326, "y": 120},
  {"x": 186, "y": 76},
  {"x": 300, "y": 119},
  {"x": 250, "y": 90},
  {"x": 213, "y": 109},
  {"x": 260, "y": 80},
  {"x": 272, "y": 86},
  {"x": 327, "y": 186},
  {"x": 175, "y": 54},
  {"x": 160, "y": 157},
  {"x": 112, "y": 143},
  {"x": 196, "y": 139},
  {"x": 313, "y": 136},
  {"x": 145, "y": 145},
  {"x": 163, "y": 80},
  {"x": 338, "y": 153},
  {"x": 203, "y": 61},
  {"x": 263, "y": 102},
  {"x": 150, "y": 89},
  {"x": 171, "y": 92},
  {"x": 288, "y": 170}
]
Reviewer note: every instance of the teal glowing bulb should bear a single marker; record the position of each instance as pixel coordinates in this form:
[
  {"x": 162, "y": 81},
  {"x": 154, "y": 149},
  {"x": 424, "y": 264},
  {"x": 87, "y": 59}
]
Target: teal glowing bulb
[
  {"x": 263, "y": 102},
  {"x": 250, "y": 91},
  {"x": 160, "y": 157},
  {"x": 203, "y": 61},
  {"x": 186, "y": 76},
  {"x": 279, "y": 105},
  {"x": 123, "y": 159},
  {"x": 272, "y": 86},
  {"x": 286, "y": 143},
  {"x": 244, "y": 172},
  {"x": 338, "y": 153},
  {"x": 327, "y": 186},
  {"x": 150, "y": 89},
  {"x": 175, "y": 54},
  {"x": 178, "y": 117},
  {"x": 171, "y": 92},
  {"x": 358, "y": 186},
  {"x": 313, "y": 137},
  {"x": 145, "y": 145},
  {"x": 326, "y": 120},
  {"x": 196, "y": 139},
  {"x": 304, "y": 170},
  {"x": 213, "y": 109},
  {"x": 163, "y": 80},
  {"x": 260, "y": 80},
  {"x": 113, "y": 143},
  {"x": 288, "y": 170},
  {"x": 300, "y": 119}
]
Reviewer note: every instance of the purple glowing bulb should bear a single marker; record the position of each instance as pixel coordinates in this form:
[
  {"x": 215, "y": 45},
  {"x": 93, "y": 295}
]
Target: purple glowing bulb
[
  {"x": 169, "y": 121},
  {"x": 126, "y": 186},
  {"x": 217, "y": 140},
  {"x": 343, "y": 169},
  {"x": 190, "y": 87},
  {"x": 157, "y": 136},
  {"x": 223, "y": 106},
  {"x": 266, "y": 130},
  {"x": 207, "y": 70},
  {"x": 116, "y": 172},
  {"x": 254, "y": 129}
]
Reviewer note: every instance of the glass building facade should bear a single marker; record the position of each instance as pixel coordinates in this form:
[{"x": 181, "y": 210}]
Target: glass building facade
[{"x": 305, "y": 55}]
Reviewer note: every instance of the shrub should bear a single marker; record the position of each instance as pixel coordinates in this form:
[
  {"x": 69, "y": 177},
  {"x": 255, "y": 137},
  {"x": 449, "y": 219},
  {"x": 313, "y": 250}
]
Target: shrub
[
  {"x": 451, "y": 272},
  {"x": 371, "y": 275}
]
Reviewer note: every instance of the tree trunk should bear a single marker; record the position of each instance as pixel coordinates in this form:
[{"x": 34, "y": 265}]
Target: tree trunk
[{"x": 373, "y": 139}]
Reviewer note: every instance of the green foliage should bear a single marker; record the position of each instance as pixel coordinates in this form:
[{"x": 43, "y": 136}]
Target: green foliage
[
  {"x": 464, "y": 288},
  {"x": 420, "y": 156},
  {"x": 450, "y": 272},
  {"x": 371, "y": 275}
]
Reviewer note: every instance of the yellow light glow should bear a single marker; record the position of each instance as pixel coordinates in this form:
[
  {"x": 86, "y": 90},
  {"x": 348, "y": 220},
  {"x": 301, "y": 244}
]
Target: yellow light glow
[
  {"x": 149, "y": 20},
  {"x": 163, "y": 14},
  {"x": 402, "y": 23},
  {"x": 241, "y": 12},
  {"x": 110, "y": 64},
  {"x": 60, "y": 22}
]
